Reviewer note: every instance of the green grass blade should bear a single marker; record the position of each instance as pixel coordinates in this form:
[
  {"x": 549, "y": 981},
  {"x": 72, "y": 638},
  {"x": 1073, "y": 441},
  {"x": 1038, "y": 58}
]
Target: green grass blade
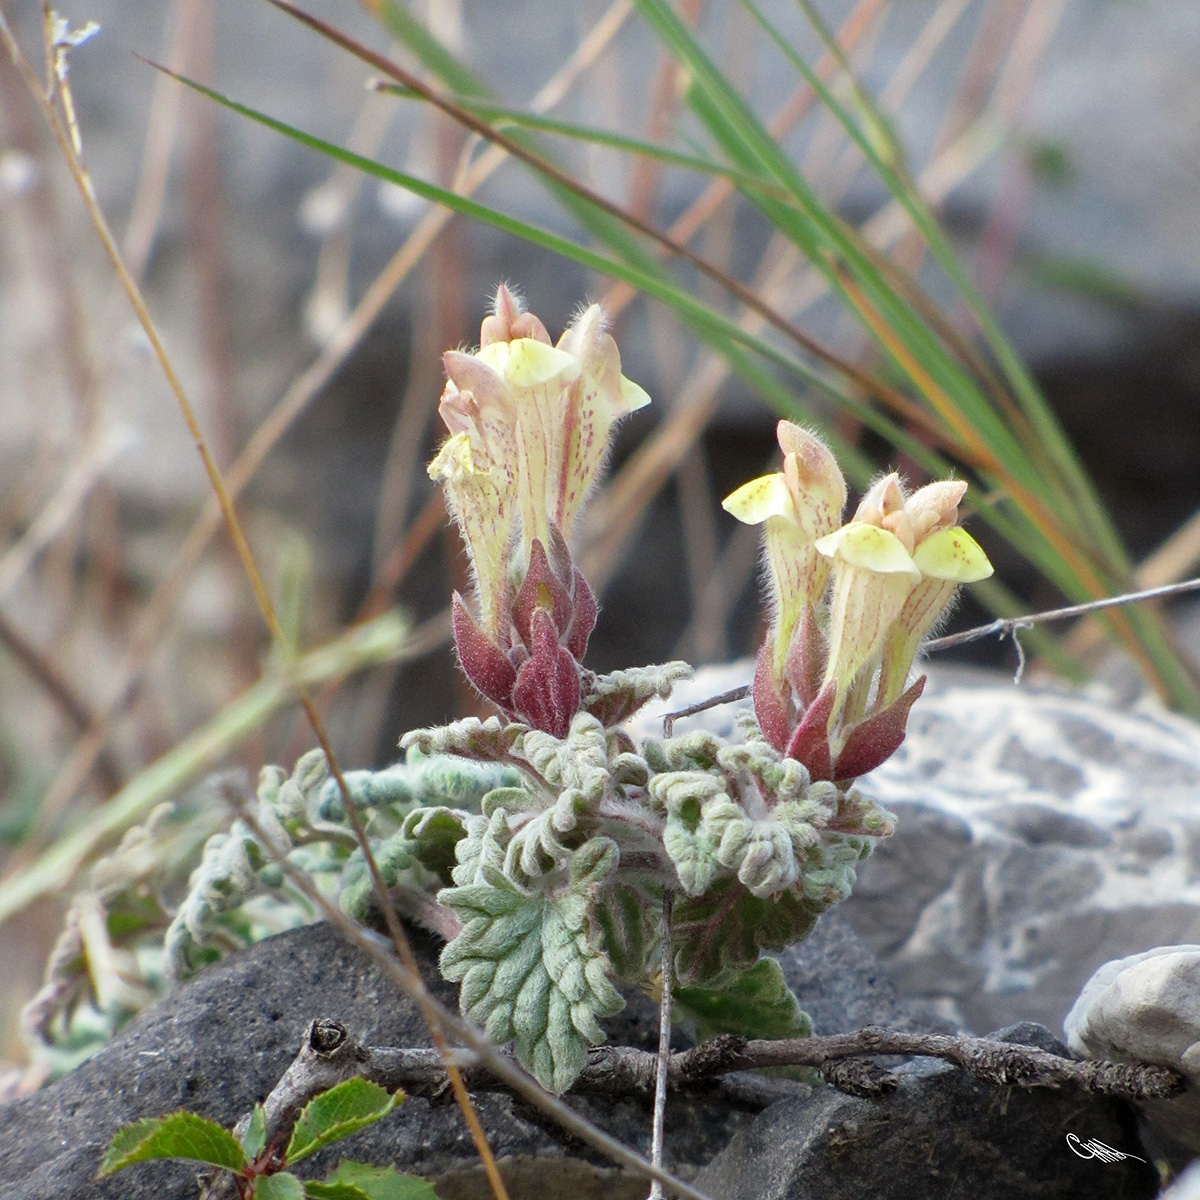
[
  {"x": 1076, "y": 489},
  {"x": 499, "y": 115}
]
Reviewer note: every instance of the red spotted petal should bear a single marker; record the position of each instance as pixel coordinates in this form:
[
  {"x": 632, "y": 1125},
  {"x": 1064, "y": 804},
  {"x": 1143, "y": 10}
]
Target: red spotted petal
[
  {"x": 483, "y": 662},
  {"x": 876, "y": 739},
  {"x": 547, "y": 690}
]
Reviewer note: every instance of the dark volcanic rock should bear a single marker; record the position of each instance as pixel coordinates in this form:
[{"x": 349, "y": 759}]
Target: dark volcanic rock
[
  {"x": 940, "y": 1134},
  {"x": 220, "y": 1042}
]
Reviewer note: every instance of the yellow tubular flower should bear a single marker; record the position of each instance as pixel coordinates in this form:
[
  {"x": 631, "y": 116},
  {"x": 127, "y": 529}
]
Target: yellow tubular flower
[
  {"x": 530, "y": 425},
  {"x": 797, "y": 505},
  {"x": 594, "y": 402},
  {"x": 946, "y": 558},
  {"x": 481, "y": 498}
]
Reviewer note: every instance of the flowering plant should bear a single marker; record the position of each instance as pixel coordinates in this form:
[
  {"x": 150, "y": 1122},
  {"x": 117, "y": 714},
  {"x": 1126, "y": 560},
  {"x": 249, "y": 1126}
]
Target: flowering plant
[
  {"x": 558, "y": 880},
  {"x": 543, "y": 843}
]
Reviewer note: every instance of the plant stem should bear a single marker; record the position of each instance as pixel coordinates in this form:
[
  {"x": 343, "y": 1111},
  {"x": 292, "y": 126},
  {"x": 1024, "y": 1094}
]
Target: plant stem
[{"x": 664, "y": 1048}]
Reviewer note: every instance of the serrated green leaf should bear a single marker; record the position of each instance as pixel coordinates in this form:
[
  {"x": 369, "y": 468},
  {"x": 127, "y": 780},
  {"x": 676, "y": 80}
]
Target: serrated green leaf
[
  {"x": 179, "y": 1135},
  {"x": 531, "y": 966},
  {"x": 334, "y": 1191},
  {"x": 501, "y": 115},
  {"x": 339, "y": 1112},
  {"x": 381, "y": 1183},
  {"x": 255, "y": 1137},
  {"x": 281, "y": 1186},
  {"x": 756, "y": 1004}
]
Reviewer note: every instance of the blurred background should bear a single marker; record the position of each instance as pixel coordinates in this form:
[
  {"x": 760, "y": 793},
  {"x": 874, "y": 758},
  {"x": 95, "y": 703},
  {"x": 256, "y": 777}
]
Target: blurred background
[{"x": 305, "y": 307}]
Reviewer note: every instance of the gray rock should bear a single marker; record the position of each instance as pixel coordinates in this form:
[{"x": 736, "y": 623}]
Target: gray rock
[
  {"x": 940, "y": 1134},
  {"x": 1039, "y": 833},
  {"x": 221, "y": 1041},
  {"x": 1146, "y": 1008}
]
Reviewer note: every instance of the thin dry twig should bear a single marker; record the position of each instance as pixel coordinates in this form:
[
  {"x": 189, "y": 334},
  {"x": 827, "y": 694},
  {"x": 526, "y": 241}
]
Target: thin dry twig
[
  {"x": 1001, "y": 627},
  {"x": 1007, "y": 626},
  {"x": 328, "y": 1055}
]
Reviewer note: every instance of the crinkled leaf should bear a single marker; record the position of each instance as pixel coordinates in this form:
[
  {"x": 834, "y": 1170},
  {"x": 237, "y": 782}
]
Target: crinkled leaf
[
  {"x": 760, "y": 853},
  {"x": 428, "y": 781},
  {"x": 434, "y": 833},
  {"x": 470, "y": 737},
  {"x": 283, "y": 1185},
  {"x": 692, "y": 844},
  {"x": 179, "y": 1135},
  {"x": 615, "y": 697},
  {"x": 378, "y": 1183},
  {"x": 339, "y": 1112},
  {"x": 255, "y": 1137},
  {"x": 756, "y": 1004},
  {"x": 395, "y": 858},
  {"x": 725, "y": 930},
  {"x": 629, "y": 924},
  {"x": 581, "y": 759},
  {"x": 529, "y": 962},
  {"x": 481, "y": 853},
  {"x": 698, "y": 813},
  {"x": 695, "y": 751}
]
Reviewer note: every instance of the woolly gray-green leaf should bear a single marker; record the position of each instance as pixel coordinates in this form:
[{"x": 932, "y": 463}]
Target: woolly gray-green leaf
[
  {"x": 530, "y": 963},
  {"x": 756, "y": 1004},
  {"x": 629, "y": 923},
  {"x": 469, "y": 737},
  {"x": 695, "y": 751},
  {"x": 725, "y": 930},
  {"x": 698, "y": 812},
  {"x": 615, "y": 697}
]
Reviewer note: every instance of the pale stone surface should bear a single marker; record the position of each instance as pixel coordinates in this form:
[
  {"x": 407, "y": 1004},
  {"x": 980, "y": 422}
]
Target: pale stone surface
[
  {"x": 1186, "y": 1187},
  {"x": 1146, "y": 1008}
]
